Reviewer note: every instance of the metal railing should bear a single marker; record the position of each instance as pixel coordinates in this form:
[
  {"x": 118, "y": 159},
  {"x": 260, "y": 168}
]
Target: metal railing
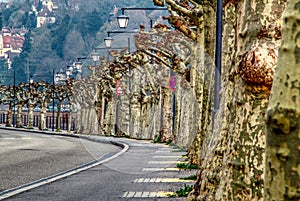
[{"x": 51, "y": 122}]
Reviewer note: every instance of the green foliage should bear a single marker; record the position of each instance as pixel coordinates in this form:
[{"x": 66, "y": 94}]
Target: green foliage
[
  {"x": 59, "y": 34},
  {"x": 6, "y": 75},
  {"x": 7, "y": 13},
  {"x": 183, "y": 192},
  {"x": 192, "y": 177},
  {"x": 157, "y": 138},
  {"x": 186, "y": 166}
]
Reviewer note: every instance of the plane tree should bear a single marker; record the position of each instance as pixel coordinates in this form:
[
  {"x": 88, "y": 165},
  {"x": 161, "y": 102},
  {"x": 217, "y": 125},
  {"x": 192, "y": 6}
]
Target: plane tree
[
  {"x": 231, "y": 154},
  {"x": 283, "y": 115}
]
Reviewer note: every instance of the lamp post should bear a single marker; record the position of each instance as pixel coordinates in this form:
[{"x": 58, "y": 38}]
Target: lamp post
[
  {"x": 218, "y": 59},
  {"x": 124, "y": 19},
  {"x": 108, "y": 40},
  {"x": 14, "y": 112},
  {"x": 53, "y": 85}
]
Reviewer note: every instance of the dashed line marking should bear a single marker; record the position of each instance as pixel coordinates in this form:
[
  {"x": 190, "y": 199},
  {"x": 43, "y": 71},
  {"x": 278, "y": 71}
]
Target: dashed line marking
[
  {"x": 146, "y": 194},
  {"x": 162, "y": 151},
  {"x": 165, "y": 162},
  {"x": 169, "y": 156},
  {"x": 16, "y": 138},
  {"x": 159, "y": 169},
  {"x": 162, "y": 180},
  {"x": 164, "y": 148}
]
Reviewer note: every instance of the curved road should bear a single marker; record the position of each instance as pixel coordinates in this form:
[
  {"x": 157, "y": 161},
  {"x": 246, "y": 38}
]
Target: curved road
[
  {"x": 27, "y": 157},
  {"x": 144, "y": 172}
]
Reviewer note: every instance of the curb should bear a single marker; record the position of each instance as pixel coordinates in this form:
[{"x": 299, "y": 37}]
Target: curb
[{"x": 17, "y": 190}]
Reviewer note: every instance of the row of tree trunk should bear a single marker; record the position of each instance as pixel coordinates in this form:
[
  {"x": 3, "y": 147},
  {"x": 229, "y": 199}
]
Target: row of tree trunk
[{"x": 241, "y": 156}]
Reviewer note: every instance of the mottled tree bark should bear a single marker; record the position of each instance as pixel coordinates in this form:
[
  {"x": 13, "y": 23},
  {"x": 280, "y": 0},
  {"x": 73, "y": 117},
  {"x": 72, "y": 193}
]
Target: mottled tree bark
[
  {"x": 70, "y": 99},
  {"x": 19, "y": 116},
  {"x": 9, "y": 115},
  {"x": 58, "y": 115},
  {"x": 232, "y": 156},
  {"x": 30, "y": 107},
  {"x": 166, "y": 132},
  {"x": 43, "y": 116},
  {"x": 282, "y": 175}
]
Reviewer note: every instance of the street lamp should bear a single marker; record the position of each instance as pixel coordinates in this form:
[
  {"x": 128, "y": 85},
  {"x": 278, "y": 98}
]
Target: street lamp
[
  {"x": 124, "y": 19},
  {"x": 68, "y": 73},
  {"x": 78, "y": 65},
  {"x": 31, "y": 80},
  {"x": 108, "y": 40},
  {"x": 95, "y": 56}
]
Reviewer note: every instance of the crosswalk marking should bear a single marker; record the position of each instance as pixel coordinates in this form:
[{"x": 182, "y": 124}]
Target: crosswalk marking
[
  {"x": 169, "y": 156},
  {"x": 139, "y": 194},
  {"x": 164, "y": 148},
  {"x": 162, "y": 180},
  {"x": 159, "y": 169},
  {"x": 162, "y": 151},
  {"x": 165, "y": 162},
  {"x": 165, "y": 157}
]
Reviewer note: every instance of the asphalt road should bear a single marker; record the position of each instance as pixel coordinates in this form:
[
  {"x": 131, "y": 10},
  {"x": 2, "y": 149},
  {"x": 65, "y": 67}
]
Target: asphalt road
[
  {"x": 117, "y": 179},
  {"x": 27, "y": 157}
]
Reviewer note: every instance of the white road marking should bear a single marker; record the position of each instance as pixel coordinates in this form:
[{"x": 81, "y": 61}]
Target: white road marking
[
  {"x": 16, "y": 138},
  {"x": 168, "y": 156},
  {"x": 159, "y": 169},
  {"x": 14, "y": 191},
  {"x": 162, "y": 180},
  {"x": 141, "y": 194},
  {"x": 165, "y": 162}
]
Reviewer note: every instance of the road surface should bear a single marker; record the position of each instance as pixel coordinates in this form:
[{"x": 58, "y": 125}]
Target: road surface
[
  {"x": 146, "y": 171},
  {"x": 26, "y": 157}
]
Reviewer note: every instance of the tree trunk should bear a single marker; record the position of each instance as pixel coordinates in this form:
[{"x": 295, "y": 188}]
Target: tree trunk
[
  {"x": 167, "y": 135},
  {"x": 107, "y": 125},
  {"x": 58, "y": 116},
  {"x": 9, "y": 115},
  {"x": 43, "y": 116},
  {"x": 30, "y": 115},
  {"x": 123, "y": 115},
  {"x": 102, "y": 114},
  {"x": 231, "y": 156},
  {"x": 282, "y": 175},
  {"x": 93, "y": 123},
  {"x": 19, "y": 116},
  {"x": 135, "y": 115},
  {"x": 78, "y": 117},
  {"x": 70, "y": 116}
]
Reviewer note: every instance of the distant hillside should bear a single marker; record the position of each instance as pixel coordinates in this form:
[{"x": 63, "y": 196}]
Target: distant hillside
[{"x": 80, "y": 26}]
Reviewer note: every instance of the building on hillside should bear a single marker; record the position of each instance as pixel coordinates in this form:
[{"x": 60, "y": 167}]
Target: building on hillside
[
  {"x": 11, "y": 43},
  {"x": 45, "y": 16},
  {"x": 48, "y": 4},
  {"x": 5, "y": 5}
]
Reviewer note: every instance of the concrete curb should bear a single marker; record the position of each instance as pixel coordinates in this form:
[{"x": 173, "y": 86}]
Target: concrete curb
[{"x": 14, "y": 191}]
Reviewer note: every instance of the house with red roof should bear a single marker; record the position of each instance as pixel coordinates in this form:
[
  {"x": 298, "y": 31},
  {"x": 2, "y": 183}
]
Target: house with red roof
[{"x": 11, "y": 42}]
